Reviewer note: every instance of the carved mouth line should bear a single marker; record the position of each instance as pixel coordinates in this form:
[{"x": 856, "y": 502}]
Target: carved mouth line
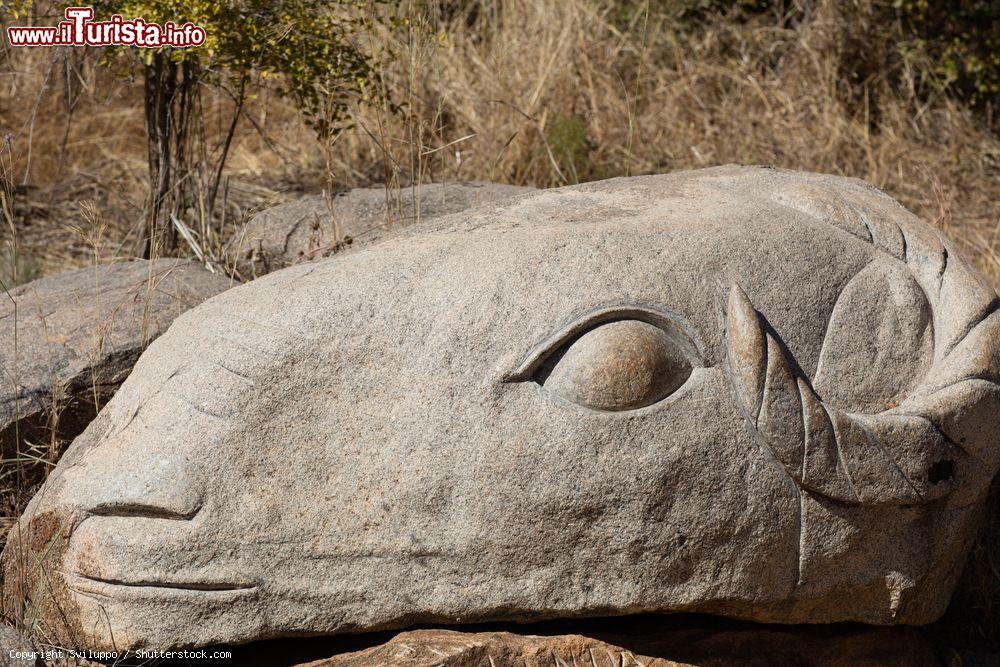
[
  {"x": 194, "y": 586},
  {"x": 139, "y": 511}
]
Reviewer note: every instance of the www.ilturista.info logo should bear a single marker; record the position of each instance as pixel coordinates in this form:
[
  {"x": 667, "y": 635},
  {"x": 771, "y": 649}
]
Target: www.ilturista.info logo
[{"x": 80, "y": 30}]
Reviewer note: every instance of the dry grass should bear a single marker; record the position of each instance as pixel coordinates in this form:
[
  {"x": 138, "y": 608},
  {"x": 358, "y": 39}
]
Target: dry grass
[{"x": 539, "y": 92}]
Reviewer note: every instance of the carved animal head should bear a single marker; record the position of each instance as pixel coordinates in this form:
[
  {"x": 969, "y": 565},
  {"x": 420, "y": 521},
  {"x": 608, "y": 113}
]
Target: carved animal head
[{"x": 742, "y": 391}]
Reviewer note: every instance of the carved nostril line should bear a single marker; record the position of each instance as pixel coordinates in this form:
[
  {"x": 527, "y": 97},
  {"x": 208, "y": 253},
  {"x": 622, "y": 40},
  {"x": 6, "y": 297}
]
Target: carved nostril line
[{"x": 138, "y": 510}]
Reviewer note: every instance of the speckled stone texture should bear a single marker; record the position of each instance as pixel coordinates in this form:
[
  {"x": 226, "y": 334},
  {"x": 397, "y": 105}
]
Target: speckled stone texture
[
  {"x": 15, "y": 649},
  {"x": 747, "y": 646},
  {"x": 303, "y": 230},
  {"x": 77, "y": 337},
  {"x": 374, "y": 441}
]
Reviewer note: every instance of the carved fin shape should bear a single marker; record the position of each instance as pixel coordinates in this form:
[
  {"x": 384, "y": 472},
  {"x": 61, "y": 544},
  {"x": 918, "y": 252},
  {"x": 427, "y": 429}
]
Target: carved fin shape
[
  {"x": 965, "y": 413},
  {"x": 876, "y": 478},
  {"x": 975, "y": 355},
  {"x": 765, "y": 383},
  {"x": 823, "y": 470},
  {"x": 747, "y": 351},
  {"x": 970, "y": 300},
  {"x": 889, "y": 458},
  {"x": 920, "y": 452},
  {"x": 780, "y": 419}
]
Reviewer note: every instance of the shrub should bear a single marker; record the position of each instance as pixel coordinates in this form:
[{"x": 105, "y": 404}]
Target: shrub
[
  {"x": 953, "y": 44},
  {"x": 306, "y": 45},
  {"x": 570, "y": 145},
  {"x": 958, "y": 41}
]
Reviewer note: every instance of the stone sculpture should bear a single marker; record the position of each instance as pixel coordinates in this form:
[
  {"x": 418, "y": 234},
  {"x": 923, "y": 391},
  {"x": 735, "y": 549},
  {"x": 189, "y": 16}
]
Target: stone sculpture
[
  {"x": 302, "y": 230},
  {"x": 762, "y": 394},
  {"x": 67, "y": 341}
]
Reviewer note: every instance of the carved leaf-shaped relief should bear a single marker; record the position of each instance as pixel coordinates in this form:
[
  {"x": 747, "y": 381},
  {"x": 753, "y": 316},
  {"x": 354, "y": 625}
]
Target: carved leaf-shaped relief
[
  {"x": 899, "y": 455},
  {"x": 879, "y": 342}
]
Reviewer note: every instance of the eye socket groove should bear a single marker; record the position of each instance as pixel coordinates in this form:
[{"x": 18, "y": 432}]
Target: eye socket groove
[
  {"x": 613, "y": 360},
  {"x": 551, "y": 359}
]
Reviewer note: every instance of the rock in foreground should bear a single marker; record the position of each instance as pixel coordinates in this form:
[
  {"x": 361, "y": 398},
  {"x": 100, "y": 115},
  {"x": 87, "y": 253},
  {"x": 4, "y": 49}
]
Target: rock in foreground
[
  {"x": 302, "y": 230},
  {"x": 745, "y": 392},
  {"x": 852, "y": 646}
]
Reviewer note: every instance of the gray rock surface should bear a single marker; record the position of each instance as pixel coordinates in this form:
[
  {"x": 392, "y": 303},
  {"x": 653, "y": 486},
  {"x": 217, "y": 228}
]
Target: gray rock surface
[
  {"x": 16, "y": 650},
  {"x": 302, "y": 230},
  {"x": 373, "y": 441},
  {"x": 77, "y": 337}
]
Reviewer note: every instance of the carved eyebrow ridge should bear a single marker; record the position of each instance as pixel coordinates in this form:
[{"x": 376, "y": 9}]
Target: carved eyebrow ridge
[{"x": 659, "y": 317}]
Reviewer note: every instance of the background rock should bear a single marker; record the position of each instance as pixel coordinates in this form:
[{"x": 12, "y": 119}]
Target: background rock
[
  {"x": 78, "y": 335},
  {"x": 301, "y": 230}
]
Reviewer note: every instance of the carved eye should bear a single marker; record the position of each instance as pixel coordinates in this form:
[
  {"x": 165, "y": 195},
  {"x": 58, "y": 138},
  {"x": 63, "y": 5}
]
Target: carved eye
[{"x": 621, "y": 364}]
